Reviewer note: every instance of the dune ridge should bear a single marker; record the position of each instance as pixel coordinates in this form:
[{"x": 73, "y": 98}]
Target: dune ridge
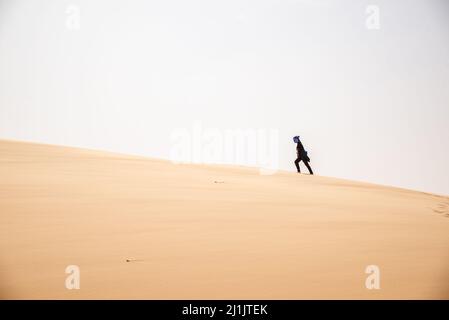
[{"x": 142, "y": 228}]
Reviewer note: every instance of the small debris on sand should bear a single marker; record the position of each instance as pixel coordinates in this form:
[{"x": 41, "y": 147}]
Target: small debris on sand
[{"x": 133, "y": 260}]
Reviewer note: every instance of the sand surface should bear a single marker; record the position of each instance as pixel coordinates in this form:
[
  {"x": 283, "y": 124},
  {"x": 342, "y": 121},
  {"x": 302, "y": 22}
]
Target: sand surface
[{"x": 208, "y": 232}]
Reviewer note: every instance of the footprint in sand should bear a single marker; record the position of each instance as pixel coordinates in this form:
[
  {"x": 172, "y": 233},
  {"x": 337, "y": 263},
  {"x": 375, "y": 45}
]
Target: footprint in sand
[{"x": 442, "y": 208}]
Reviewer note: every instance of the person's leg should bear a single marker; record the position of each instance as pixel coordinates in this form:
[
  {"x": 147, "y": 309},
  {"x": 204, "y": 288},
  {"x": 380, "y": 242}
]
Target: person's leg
[
  {"x": 297, "y": 165},
  {"x": 308, "y": 167}
]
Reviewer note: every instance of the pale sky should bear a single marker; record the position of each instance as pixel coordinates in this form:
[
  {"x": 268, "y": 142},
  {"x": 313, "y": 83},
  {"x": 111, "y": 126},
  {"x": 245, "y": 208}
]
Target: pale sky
[{"x": 371, "y": 104}]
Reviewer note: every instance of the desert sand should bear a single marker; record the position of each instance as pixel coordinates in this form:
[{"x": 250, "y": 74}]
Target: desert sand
[{"x": 141, "y": 228}]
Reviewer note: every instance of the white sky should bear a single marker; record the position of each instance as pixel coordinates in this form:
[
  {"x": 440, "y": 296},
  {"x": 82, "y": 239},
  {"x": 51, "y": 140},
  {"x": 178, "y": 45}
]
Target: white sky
[{"x": 370, "y": 105}]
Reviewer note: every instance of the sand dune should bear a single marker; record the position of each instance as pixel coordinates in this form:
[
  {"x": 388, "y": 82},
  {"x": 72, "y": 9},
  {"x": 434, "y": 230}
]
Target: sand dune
[{"x": 148, "y": 229}]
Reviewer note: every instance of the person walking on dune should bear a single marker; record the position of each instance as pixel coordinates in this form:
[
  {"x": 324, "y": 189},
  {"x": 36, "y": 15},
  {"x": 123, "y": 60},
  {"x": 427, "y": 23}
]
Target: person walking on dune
[{"x": 301, "y": 155}]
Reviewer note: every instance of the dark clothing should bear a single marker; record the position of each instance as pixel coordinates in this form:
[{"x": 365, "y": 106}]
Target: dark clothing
[
  {"x": 302, "y": 155},
  {"x": 300, "y": 151},
  {"x": 305, "y": 162}
]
